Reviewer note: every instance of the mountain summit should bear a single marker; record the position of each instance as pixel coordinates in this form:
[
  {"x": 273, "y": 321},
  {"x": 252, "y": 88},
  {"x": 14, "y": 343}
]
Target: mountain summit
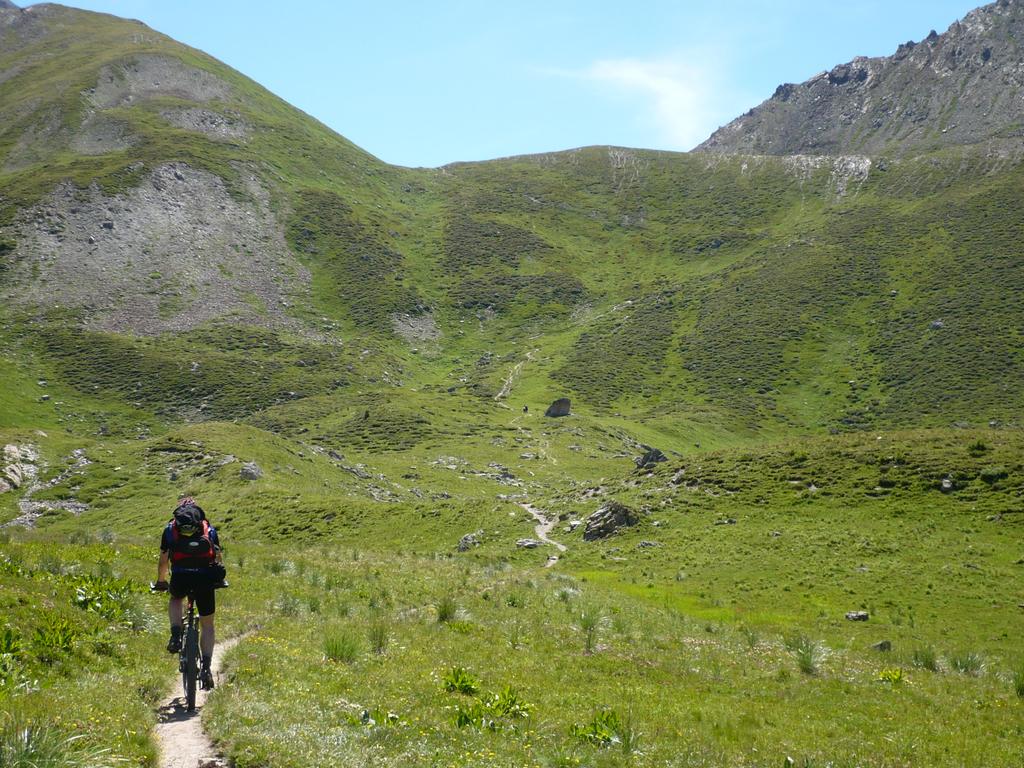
[{"x": 961, "y": 87}]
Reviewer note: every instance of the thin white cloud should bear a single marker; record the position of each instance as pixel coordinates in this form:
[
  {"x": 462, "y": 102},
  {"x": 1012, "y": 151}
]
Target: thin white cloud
[{"x": 681, "y": 95}]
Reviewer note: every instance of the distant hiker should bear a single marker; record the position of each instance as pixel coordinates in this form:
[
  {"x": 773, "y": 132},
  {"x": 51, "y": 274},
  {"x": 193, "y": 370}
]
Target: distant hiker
[
  {"x": 526, "y": 409},
  {"x": 190, "y": 548}
]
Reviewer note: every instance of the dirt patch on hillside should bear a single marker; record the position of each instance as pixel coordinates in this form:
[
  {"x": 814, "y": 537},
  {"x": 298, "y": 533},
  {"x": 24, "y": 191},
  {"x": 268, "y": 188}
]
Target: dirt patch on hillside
[
  {"x": 175, "y": 252},
  {"x": 150, "y": 76}
]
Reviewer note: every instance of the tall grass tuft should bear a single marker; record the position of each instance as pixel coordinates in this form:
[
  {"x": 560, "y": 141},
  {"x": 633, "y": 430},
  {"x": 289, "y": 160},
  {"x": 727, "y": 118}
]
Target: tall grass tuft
[
  {"x": 807, "y": 653},
  {"x": 1017, "y": 678},
  {"x": 447, "y": 609},
  {"x": 926, "y": 658},
  {"x": 341, "y": 646},
  {"x": 590, "y": 622},
  {"x": 379, "y": 633},
  {"x": 35, "y": 746},
  {"x": 967, "y": 663}
]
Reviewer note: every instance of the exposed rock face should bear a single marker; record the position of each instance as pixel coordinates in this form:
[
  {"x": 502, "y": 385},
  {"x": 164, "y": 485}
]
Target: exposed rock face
[
  {"x": 149, "y": 76},
  {"x": 174, "y": 252},
  {"x": 560, "y": 407},
  {"x": 960, "y": 87},
  {"x": 608, "y": 519}
]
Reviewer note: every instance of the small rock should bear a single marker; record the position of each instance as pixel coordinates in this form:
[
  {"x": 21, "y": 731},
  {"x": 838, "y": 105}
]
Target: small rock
[
  {"x": 527, "y": 456},
  {"x": 560, "y": 407},
  {"x": 775, "y": 534},
  {"x": 250, "y": 471},
  {"x": 107, "y": 225},
  {"x": 947, "y": 484},
  {"x": 470, "y": 540},
  {"x": 529, "y": 543},
  {"x": 937, "y": 325},
  {"x": 726, "y": 521},
  {"x": 883, "y": 646},
  {"x": 857, "y": 616},
  {"x": 43, "y": 398},
  {"x": 647, "y": 544},
  {"x": 573, "y": 525},
  {"x": 211, "y": 762}
]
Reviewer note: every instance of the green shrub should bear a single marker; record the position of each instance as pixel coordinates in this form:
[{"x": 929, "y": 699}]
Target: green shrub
[
  {"x": 341, "y": 646},
  {"x": 603, "y": 729},
  {"x": 109, "y": 597},
  {"x": 493, "y": 712},
  {"x": 54, "y": 639},
  {"x": 993, "y": 474},
  {"x": 891, "y": 675},
  {"x": 460, "y": 680},
  {"x": 977, "y": 448}
]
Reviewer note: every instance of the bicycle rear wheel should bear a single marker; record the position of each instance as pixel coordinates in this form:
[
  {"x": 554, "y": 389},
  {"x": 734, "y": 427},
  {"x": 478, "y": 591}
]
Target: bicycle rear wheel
[{"x": 191, "y": 672}]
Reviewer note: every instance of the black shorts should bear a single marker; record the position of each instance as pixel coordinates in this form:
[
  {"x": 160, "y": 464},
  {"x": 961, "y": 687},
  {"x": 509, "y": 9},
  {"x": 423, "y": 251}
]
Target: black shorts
[{"x": 199, "y": 584}]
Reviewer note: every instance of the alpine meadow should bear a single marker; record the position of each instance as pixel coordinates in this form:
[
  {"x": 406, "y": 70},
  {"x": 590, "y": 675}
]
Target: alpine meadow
[{"x": 603, "y": 457}]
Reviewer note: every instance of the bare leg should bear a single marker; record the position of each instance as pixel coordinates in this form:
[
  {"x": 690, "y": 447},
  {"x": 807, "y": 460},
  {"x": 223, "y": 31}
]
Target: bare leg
[
  {"x": 176, "y": 610},
  {"x": 207, "y": 637}
]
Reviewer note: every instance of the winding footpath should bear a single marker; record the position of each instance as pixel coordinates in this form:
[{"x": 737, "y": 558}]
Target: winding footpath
[
  {"x": 179, "y": 734},
  {"x": 544, "y": 526}
]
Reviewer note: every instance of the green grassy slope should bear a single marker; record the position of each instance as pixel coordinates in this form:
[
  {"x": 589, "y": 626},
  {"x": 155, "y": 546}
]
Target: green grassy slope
[{"x": 816, "y": 350}]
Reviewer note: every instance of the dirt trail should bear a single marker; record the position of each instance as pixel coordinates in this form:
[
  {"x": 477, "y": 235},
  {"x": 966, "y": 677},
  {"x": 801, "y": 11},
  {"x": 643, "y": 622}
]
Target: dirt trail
[
  {"x": 179, "y": 734},
  {"x": 542, "y": 529},
  {"x": 513, "y": 374}
]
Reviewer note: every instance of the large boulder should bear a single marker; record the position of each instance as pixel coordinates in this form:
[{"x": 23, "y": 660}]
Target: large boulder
[
  {"x": 608, "y": 519},
  {"x": 250, "y": 471},
  {"x": 560, "y": 407}
]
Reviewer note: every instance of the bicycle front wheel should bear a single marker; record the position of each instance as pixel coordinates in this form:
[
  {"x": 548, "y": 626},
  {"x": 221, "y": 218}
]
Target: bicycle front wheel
[{"x": 190, "y": 674}]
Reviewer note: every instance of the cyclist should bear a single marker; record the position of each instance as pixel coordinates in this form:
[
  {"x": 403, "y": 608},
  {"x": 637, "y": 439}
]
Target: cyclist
[{"x": 191, "y": 550}]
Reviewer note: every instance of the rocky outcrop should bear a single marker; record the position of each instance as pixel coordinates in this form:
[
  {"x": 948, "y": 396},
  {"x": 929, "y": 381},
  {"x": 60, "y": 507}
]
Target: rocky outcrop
[
  {"x": 961, "y": 87},
  {"x": 470, "y": 540},
  {"x": 608, "y": 519},
  {"x": 650, "y": 457}
]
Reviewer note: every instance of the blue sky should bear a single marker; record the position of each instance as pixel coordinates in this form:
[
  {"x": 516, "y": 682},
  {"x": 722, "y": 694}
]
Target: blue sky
[{"x": 427, "y": 83}]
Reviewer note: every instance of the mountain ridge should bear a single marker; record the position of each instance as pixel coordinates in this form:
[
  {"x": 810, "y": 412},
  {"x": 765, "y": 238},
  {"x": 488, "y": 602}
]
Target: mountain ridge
[{"x": 960, "y": 87}]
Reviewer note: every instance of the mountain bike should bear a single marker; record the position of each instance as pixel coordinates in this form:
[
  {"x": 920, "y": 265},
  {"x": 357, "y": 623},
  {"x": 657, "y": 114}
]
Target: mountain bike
[{"x": 188, "y": 656}]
